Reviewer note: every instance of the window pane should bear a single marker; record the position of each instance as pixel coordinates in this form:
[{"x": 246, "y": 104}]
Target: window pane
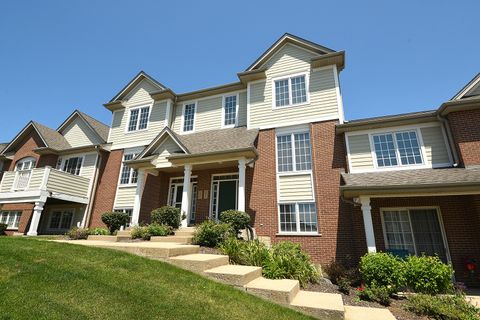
[
  {"x": 144, "y": 113},
  {"x": 189, "y": 117},
  {"x": 408, "y": 147},
  {"x": 126, "y": 171},
  {"x": 281, "y": 93},
  {"x": 308, "y": 217},
  {"x": 132, "y": 125},
  {"x": 284, "y": 153},
  {"x": 303, "y": 155},
  {"x": 55, "y": 220},
  {"x": 398, "y": 231},
  {"x": 66, "y": 220},
  {"x": 385, "y": 150},
  {"x": 427, "y": 232},
  {"x": 16, "y": 221},
  {"x": 230, "y": 110},
  {"x": 288, "y": 221},
  {"x": 73, "y": 165},
  {"x": 299, "y": 91}
]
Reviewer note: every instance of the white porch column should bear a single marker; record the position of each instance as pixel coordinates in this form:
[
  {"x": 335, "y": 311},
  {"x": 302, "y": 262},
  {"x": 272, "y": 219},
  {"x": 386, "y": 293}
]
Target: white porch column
[
  {"x": 37, "y": 213},
  {"x": 138, "y": 197},
  {"x": 241, "y": 184},
  {"x": 187, "y": 194},
  {"x": 367, "y": 221}
]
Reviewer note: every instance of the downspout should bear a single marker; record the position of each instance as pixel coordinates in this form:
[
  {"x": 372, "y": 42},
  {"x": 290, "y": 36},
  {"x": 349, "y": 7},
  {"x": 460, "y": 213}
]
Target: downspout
[
  {"x": 93, "y": 192},
  {"x": 451, "y": 142}
]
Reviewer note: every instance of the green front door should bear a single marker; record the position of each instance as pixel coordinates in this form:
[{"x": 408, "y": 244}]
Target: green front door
[{"x": 227, "y": 196}]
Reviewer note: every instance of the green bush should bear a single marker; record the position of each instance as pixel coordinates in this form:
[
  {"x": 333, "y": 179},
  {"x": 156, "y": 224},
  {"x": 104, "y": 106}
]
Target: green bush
[
  {"x": 3, "y": 227},
  {"x": 99, "y": 232},
  {"x": 382, "y": 270},
  {"x": 78, "y": 233},
  {"x": 373, "y": 292},
  {"x": 167, "y": 215},
  {"x": 114, "y": 220},
  {"x": 344, "y": 284},
  {"x": 140, "y": 232},
  {"x": 453, "y": 307},
  {"x": 211, "y": 234},
  {"x": 237, "y": 219},
  {"x": 428, "y": 275},
  {"x": 159, "y": 230}
]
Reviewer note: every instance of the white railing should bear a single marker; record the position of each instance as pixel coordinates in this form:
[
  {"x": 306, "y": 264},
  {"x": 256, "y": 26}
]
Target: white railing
[{"x": 22, "y": 178}]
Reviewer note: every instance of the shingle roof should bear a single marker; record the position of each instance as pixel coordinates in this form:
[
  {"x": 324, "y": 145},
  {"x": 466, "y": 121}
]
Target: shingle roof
[
  {"x": 2, "y": 146},
  {"x": 100, "y": 128},
  {"x": 417, "y": 178},
  {"x": 52, "y": 138}
]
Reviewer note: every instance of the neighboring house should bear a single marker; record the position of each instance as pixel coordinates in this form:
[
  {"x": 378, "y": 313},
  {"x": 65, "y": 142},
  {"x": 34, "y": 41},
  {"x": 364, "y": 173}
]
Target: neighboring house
[{"x": 273, "y": 144}]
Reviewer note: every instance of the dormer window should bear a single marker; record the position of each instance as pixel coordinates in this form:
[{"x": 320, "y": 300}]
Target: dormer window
[
  {"x": 397, "y": 148},
  {"x": 188, "y": 121},
  {"x": 290, "y": 91},
  {"x": 138, "y": 119}
]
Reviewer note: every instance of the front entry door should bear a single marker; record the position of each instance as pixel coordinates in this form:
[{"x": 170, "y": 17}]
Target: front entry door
[
  {"x": 224, "y": 194},
  {"x": 176, "y": 193}
]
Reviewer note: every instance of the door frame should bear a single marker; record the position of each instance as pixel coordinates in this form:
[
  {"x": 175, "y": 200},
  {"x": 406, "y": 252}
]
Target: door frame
[
  {"x": 214, "y": 215},
  {"x": 192, "y": 183}
]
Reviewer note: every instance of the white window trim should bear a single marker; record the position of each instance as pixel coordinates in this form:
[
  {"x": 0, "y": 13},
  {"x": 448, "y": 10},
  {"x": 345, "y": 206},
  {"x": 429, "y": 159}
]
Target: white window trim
[
  {"x": 297, "y": 220},
  {"x": 65, "y": 158},
  {"x": 138, "y": 120},
  {"x": 136, "y": 151},
  {"x": 211, "y": 213},
  {"x": 292, "y": 132},
  {"x": 17, "y": 172},
  {"x": 289, "y": 77},
  {"x": 9, "y": 212},
  {"x": 195, "y": 103},
  {"x": 62, "y": 211},
  {"x": 440, "y": 222},
  {"x": 223, "y": 125}
]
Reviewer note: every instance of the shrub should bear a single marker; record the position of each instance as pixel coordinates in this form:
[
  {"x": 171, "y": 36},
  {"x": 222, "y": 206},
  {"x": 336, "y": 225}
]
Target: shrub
[
  {"x": 428, "y": 275},
  {"x": 373, "y": 292},
  {"x": 114, "y": 220},
  {"x": 3, "y": 227},
  {"x": 442, "y": 307},
  {"x": 140, "y": 232},
  {"x": 167, "y": 215},
  {"x": 159, "y": 230},
  {"x": 237, "y": 219},
  {"x": 211, "y": 234},
  {"x": 382, "y": 270},
  {"x": 344, "y": 285},
  {"x": 99, "y": 232},
  {"x": 78, "y": 233}
]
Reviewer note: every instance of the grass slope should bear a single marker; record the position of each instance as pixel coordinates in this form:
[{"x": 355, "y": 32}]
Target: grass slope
[{"x": 45, "y": 280}]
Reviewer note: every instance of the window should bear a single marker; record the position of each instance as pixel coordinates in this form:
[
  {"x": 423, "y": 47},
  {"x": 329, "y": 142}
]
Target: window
[
  {"x": 294, "y": 152},
  {"x": 399, "y": 148},
  {"x": 290, "y": 91},
  {"x": 71, "y": 165},
  {"x": 188, "y": 117},
  {"x": 128, "y": 175},
  {"x": 230, "y": 110},
  {"x": 24, "y": 169},
  {"x": 25, "y": 164},
  {"x": 138, "y": 119},
  {"x": 61, "y": 220},
  {"x": 10, "y": 218},
  {"x": 298, "y": 217},
  {"x": 129, "y": 212},
  {"x": 416, "y": 231}
]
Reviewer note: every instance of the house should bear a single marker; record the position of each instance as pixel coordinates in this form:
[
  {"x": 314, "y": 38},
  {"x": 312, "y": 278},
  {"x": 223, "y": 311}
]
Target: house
[{"x": 274, "y": 144}]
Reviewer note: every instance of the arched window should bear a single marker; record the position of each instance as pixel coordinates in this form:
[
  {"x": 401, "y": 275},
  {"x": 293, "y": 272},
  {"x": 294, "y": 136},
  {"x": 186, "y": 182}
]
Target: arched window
[
  {"x": 24, "y": 169},
  {"x": 27, "y": 163}
]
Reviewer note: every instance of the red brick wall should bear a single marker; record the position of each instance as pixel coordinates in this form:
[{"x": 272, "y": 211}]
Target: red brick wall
[
  {"x": 25, "y": 149},
  {"x": 466, "y": 133},
  {"x": 106, "y": 186},
  {"x": 27, "y": 210},
  {"x": 151, "y": 198}
]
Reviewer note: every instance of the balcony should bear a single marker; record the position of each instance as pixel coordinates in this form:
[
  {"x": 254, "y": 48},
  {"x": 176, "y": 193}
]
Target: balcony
[{"x": 31, "y": 185}]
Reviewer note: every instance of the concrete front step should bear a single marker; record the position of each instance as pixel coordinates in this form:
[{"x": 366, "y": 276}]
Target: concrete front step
[
  {"x": 102, "y": 238},
  {"x": 281, "y": 291},
  {"x": 174, "y": 239},
  {"x": 234, "y": 274},
  {"x": 185, "y": 231},
  {"x": 362, "y": 313},
  {"x": 199, "y": 262},
  {"x": 124, "y": 233},
  {"x": 325, "y": 306},
  {"x": 124, "y": 238}
]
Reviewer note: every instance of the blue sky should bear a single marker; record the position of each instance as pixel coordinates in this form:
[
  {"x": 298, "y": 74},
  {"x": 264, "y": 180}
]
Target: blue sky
[{"x": 56, "y": 56}]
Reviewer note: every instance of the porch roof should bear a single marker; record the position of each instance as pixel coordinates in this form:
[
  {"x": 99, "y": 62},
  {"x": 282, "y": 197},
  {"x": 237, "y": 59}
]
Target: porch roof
[{"x": 453, "y": 180}]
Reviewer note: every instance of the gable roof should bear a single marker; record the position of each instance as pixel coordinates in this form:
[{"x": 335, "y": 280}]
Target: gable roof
[
  {"x": 468, "y": 90},
  {"x": 288, "y": 38},
  {"x": 136, "y": 80},
  {"x": 157, "y": 142},
  {"x": 99, "y": 128}
]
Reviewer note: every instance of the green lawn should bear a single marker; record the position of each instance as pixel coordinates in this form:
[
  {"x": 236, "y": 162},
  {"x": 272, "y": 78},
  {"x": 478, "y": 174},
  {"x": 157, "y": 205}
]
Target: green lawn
[{"x": 45, "y": 280}]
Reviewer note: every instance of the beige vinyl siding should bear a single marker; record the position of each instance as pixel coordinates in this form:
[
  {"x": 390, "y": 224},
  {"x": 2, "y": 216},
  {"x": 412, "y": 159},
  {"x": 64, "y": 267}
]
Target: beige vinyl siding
[
  {"x": 79, "y": 134},
  {"x": 295, "y": 188},
  {"x": 7, "y": 181},
  {"x": 435, "y": 147},
  {"x": 475, "y": 91},
  {"x": 36, "y": 179},
  {"x": 164, "y": 150},
  {"x": 242, "y": 109},
  {"x": 360, "y": 154},
  {"x": 66, "y": 183},
  {"x": 125, "y": 197},
  {"x": 88, "y": 165},
  {"x": 323, "y": 95},
  {"x": 139, "y": 96}
]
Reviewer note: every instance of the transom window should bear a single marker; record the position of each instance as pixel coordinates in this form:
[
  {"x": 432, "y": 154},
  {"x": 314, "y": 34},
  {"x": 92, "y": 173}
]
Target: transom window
[
  {"x": 61, "y": 220},
  {"x": 294, "y": 152},
  {"x": 230, "y": 110},
  {"x": 138, "y": 119},
  {"x": 10, "y": 218},
  {"x": 298, "y": 217},
  {"x": 189, "y": 117},
  {"x": 70, "y": 165},
  {"x": 398, "y": 148},
  {"x": 128, "y": 175},
  {"x": 290, "y": 91}
]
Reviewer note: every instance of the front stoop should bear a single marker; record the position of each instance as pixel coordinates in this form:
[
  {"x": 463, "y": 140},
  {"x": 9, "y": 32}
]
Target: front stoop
[
  {"x": 173, "y": 239},
  {"x": 185, "y": 231},
  {"x": 102, "y": 238},
  {"x": 363, "y": 313},
  {"x": 199, "y": 262},
  {"x": 325, "y": 306},
  {"x": 234, "y": 274},
  {"x": 281, "y": 291}
]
